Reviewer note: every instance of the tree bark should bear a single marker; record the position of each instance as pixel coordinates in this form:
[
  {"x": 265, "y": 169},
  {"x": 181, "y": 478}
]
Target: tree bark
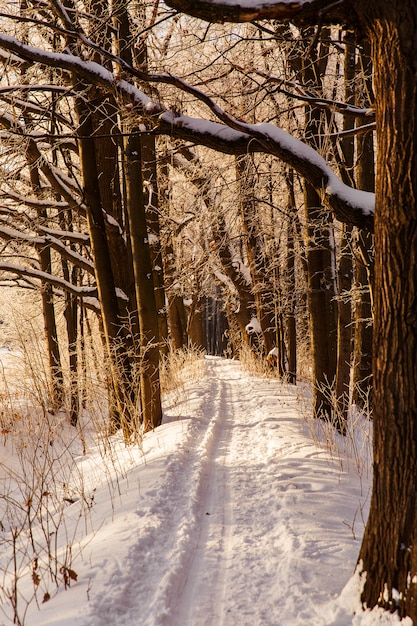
[
  {"x": 389, "y": 549},
  {"x": 145, "y": 294},
  {"x": 320, "y": 255}
]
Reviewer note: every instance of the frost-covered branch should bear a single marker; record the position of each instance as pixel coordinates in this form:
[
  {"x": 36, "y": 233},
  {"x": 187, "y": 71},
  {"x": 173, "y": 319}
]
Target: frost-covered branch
[
  {"x": 55, "y": 281},
  {"x": 32, "y": 202},
  {"x": 61, "y": 185},
  {"x": 11, "y": 234},
  {"x": 349, "y": 205}
]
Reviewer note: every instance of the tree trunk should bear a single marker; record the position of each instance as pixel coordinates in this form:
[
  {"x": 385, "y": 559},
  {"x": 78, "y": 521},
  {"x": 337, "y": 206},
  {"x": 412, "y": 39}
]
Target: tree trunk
[
  {"x": 57, "y": 393},
  {"x": 345, "y": 265},
  {"x": 389, "y": 549},
  {"x": 151, "y": 200},
  {"x": 321, "y": 305},
  {"x": 196, "y": 326},
  {"x": 320, "y": 254},
  {"x": 120, "y": 367},
  {"x": 291, "y": 322},
  {"x": 177, "y": 316},
  {"x": 363, "y": 330},
  {"x": 145, "y": 294}
]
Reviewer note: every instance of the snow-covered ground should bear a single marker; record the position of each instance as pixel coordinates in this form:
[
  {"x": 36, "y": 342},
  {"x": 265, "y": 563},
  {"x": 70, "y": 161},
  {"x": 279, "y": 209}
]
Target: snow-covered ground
[{"x": 232, "y": 514}]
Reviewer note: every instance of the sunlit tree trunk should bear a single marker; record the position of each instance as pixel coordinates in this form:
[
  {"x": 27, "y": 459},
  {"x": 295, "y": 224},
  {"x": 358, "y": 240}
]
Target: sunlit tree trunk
[
  {"x": 389, "y": 549},
  {"x": 121, "y": 409}
]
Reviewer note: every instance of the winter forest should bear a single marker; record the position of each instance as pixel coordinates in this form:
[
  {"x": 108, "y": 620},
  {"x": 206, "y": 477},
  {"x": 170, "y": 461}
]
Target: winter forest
[{"x": 206, "y": 191}]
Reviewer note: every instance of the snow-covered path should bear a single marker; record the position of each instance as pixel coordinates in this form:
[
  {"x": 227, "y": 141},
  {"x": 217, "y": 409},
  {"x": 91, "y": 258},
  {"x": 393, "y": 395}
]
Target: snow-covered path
[
  {"x": 249, "y": 522},
  {"x": 236, "y": 517}
]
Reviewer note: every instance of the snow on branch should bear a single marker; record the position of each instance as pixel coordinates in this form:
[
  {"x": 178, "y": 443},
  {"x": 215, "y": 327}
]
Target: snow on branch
[
  {"x": 59, "y": 283},
  {"x": 90, "y": 71},
  {"x": 11, "y": 234},
  {"x": 70, "y": 255},
  {"x": 67, "y": 235},
  {"x": 308, "y": 11},
  {"x": 60, "y": 183},
  {"x": 33, "y": 202},
  {"x": 349, "y": 205}
]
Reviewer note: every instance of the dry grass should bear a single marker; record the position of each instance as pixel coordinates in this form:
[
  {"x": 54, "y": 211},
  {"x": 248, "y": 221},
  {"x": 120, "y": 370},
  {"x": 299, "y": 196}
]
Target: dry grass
[{"x": 178, "y": 368}]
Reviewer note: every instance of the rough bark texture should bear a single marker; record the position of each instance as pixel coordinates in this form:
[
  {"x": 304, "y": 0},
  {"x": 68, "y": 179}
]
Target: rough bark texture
[
  {"x": 389, "y": 549},
  {"x": 120, "y": 372}
]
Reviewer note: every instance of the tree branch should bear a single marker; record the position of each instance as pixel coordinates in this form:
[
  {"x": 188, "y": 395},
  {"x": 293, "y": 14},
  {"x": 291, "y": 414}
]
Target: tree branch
[
  {"x": 349, "y": 205},
  {"x": 221, "y": 11}
]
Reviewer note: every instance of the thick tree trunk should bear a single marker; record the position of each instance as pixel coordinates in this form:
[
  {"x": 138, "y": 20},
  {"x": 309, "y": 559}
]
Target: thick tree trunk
[
  {"x": 389, "y": 549},
  {"x": 120, "y": 367}
]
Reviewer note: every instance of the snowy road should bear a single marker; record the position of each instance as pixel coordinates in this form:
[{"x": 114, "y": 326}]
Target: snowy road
[{"x": 235, "y": 518}]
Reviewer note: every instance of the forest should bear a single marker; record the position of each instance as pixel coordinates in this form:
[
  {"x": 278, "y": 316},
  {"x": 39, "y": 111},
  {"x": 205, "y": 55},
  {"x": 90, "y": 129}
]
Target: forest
[{"x": 236, "y": 180}]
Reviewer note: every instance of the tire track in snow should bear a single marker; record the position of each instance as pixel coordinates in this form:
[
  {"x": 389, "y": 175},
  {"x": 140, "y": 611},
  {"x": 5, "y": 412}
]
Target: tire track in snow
[
  {"x": 174, "y": 602},
  {"x": 203, "y": 596}
]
